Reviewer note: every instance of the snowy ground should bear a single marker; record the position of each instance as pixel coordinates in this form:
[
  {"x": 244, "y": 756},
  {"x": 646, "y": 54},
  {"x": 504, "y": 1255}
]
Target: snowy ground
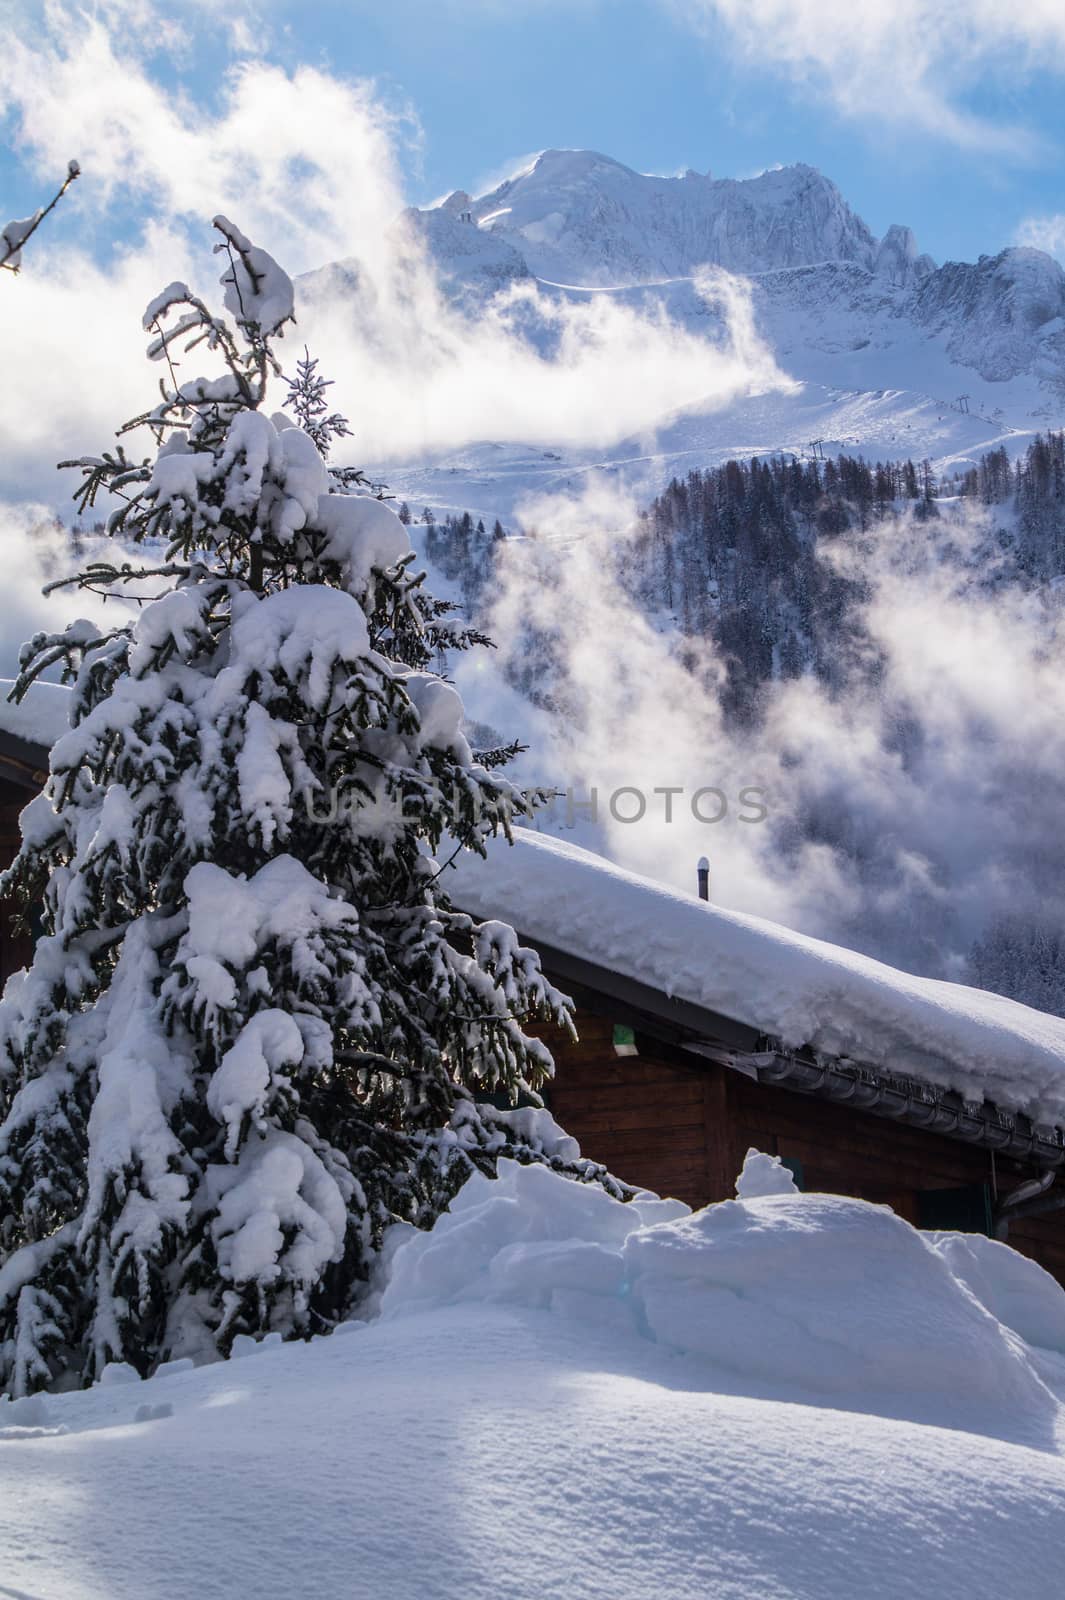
[
  {"x": 491, "y": 478},
  {"x": 862, "y": 383},
  {"x": 555, "y": 1400}
]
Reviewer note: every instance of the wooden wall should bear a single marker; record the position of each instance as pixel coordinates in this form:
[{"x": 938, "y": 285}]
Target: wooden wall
[
  {"x": 667, "y": 1121},
  {"x": 15, "y": 949}
]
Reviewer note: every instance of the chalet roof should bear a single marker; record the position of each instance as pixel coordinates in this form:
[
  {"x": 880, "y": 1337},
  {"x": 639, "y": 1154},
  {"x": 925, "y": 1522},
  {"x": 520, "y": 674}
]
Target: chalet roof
[
  {"x": 29, "y": 730},
  {"x": 790, "y": 992},
  {"x": 21, "y": 763}
]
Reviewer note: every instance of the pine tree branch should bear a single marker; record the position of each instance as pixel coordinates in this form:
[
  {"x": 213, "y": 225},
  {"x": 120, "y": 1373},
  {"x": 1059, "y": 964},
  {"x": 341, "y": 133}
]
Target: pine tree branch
[{"x": 101, "y": 573}]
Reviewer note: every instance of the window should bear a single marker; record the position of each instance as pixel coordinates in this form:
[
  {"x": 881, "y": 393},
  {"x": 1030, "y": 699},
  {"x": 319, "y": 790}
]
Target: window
[
  {"x": 966, "y": 1210},
  {"x": 624, "y": 1040}
]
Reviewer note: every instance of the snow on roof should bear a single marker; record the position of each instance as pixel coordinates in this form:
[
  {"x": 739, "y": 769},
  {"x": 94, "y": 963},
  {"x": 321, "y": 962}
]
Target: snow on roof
[
  {"x": 40, "y": 717},
  {"x": 799, "y": 990}
]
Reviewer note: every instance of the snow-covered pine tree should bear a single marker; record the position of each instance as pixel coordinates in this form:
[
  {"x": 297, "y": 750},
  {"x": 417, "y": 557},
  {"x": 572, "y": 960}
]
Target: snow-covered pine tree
[{"x": 252, "y": 1029}]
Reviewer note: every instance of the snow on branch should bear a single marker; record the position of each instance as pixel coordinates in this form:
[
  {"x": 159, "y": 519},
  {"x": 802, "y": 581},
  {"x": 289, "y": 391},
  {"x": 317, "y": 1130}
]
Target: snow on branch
[
  {"x": 259, "y": 293},
  {"x": 16, "y": 234}
]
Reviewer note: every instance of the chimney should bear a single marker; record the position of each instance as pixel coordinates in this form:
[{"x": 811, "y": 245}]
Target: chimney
[{"x": 704, "y": 878}]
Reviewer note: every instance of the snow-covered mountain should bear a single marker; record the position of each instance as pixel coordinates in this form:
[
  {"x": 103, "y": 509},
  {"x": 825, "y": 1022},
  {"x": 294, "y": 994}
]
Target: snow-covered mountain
[
  {"x": 891, "y": 356},
  {"x": 579, "y": 219},
  {"x": 1003, "y": 316}
]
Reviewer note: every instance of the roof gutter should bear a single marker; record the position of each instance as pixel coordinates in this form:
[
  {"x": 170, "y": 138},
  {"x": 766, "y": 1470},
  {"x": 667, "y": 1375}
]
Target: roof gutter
[
  {"x": 906, "y": 1100},
  {"x": 702, "y": 1032}
]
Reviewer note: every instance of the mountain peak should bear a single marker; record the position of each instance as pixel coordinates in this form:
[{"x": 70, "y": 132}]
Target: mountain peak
[
  {"x": 553, "y": 164},
  {"x": 457, "y": 202},
  {"x": 579, "y": 216},
  {"x": 898, "y": 260}
]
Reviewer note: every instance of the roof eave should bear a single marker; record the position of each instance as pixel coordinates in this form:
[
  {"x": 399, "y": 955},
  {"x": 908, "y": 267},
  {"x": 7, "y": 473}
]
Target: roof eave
[{"x": 742, "y": 1048}]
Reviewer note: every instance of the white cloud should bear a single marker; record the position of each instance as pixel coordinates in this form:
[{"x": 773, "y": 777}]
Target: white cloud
[
  {"x": 302, "y": 157},
  {"x": 74, "y": 355},
  {"x": 244, "y": 25},
  {"x": 598, "y": 369},
  {"x": 908, "y": 812},
  {"x": 44, "y": 555},
  {"x": 1044, "y": 233},
  {"x": 629, "y": 712},
  {"x": 415, "y": 371},
  {"x": 902, "y": 61}
]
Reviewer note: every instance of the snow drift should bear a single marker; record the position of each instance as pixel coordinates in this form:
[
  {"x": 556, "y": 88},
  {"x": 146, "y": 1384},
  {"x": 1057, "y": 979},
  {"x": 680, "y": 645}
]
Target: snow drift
[
  {"x": 566, "y": 1395},
  {"x": 805, "y": 1296}
]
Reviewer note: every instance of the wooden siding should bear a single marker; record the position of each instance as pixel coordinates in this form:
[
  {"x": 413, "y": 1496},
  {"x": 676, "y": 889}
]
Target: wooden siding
[
  {"x": 669, "y": 1121},
  {"x": 15, "y": 948}
]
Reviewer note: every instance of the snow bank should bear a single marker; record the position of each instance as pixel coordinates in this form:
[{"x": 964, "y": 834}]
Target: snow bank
[
  {"x": 41, "y": 716},
  {"x": 1015, "y": 1290},
  {"x": 833, "y": 1297},
  {"x": 521, "y": 1238},
  {"x": 806, "y": 1295},
  {"x": 799, "y": 990},
  {"x": 570, "y": 1395},
  {"x": 481, "y": 1451}
]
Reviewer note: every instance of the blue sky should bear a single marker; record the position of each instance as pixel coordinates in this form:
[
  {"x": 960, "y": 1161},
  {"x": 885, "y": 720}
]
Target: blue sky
[
  {"x": 924, "y": 116},
  {"x": 635, "y": 81}
]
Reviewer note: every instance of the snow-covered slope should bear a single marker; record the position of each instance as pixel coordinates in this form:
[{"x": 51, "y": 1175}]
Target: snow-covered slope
[
  {"x": 1003, "y": 316},
  {"x": 468, "y": 256},
  {"x": 494, "y": 478},
  {"x": 788, "y": 1398},
  {"x": 800, "y": 990}
]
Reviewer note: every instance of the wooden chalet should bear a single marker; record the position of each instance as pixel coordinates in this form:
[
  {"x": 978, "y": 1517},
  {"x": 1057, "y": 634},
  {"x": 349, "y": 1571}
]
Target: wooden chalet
[
  {"x": 671, "y": 1097},
  {"x": 670, "y": 1093}
]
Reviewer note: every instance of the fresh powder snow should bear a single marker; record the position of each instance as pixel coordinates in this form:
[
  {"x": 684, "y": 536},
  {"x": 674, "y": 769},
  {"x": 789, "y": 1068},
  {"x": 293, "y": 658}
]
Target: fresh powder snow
[{"x": 788, "y": 1397}]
